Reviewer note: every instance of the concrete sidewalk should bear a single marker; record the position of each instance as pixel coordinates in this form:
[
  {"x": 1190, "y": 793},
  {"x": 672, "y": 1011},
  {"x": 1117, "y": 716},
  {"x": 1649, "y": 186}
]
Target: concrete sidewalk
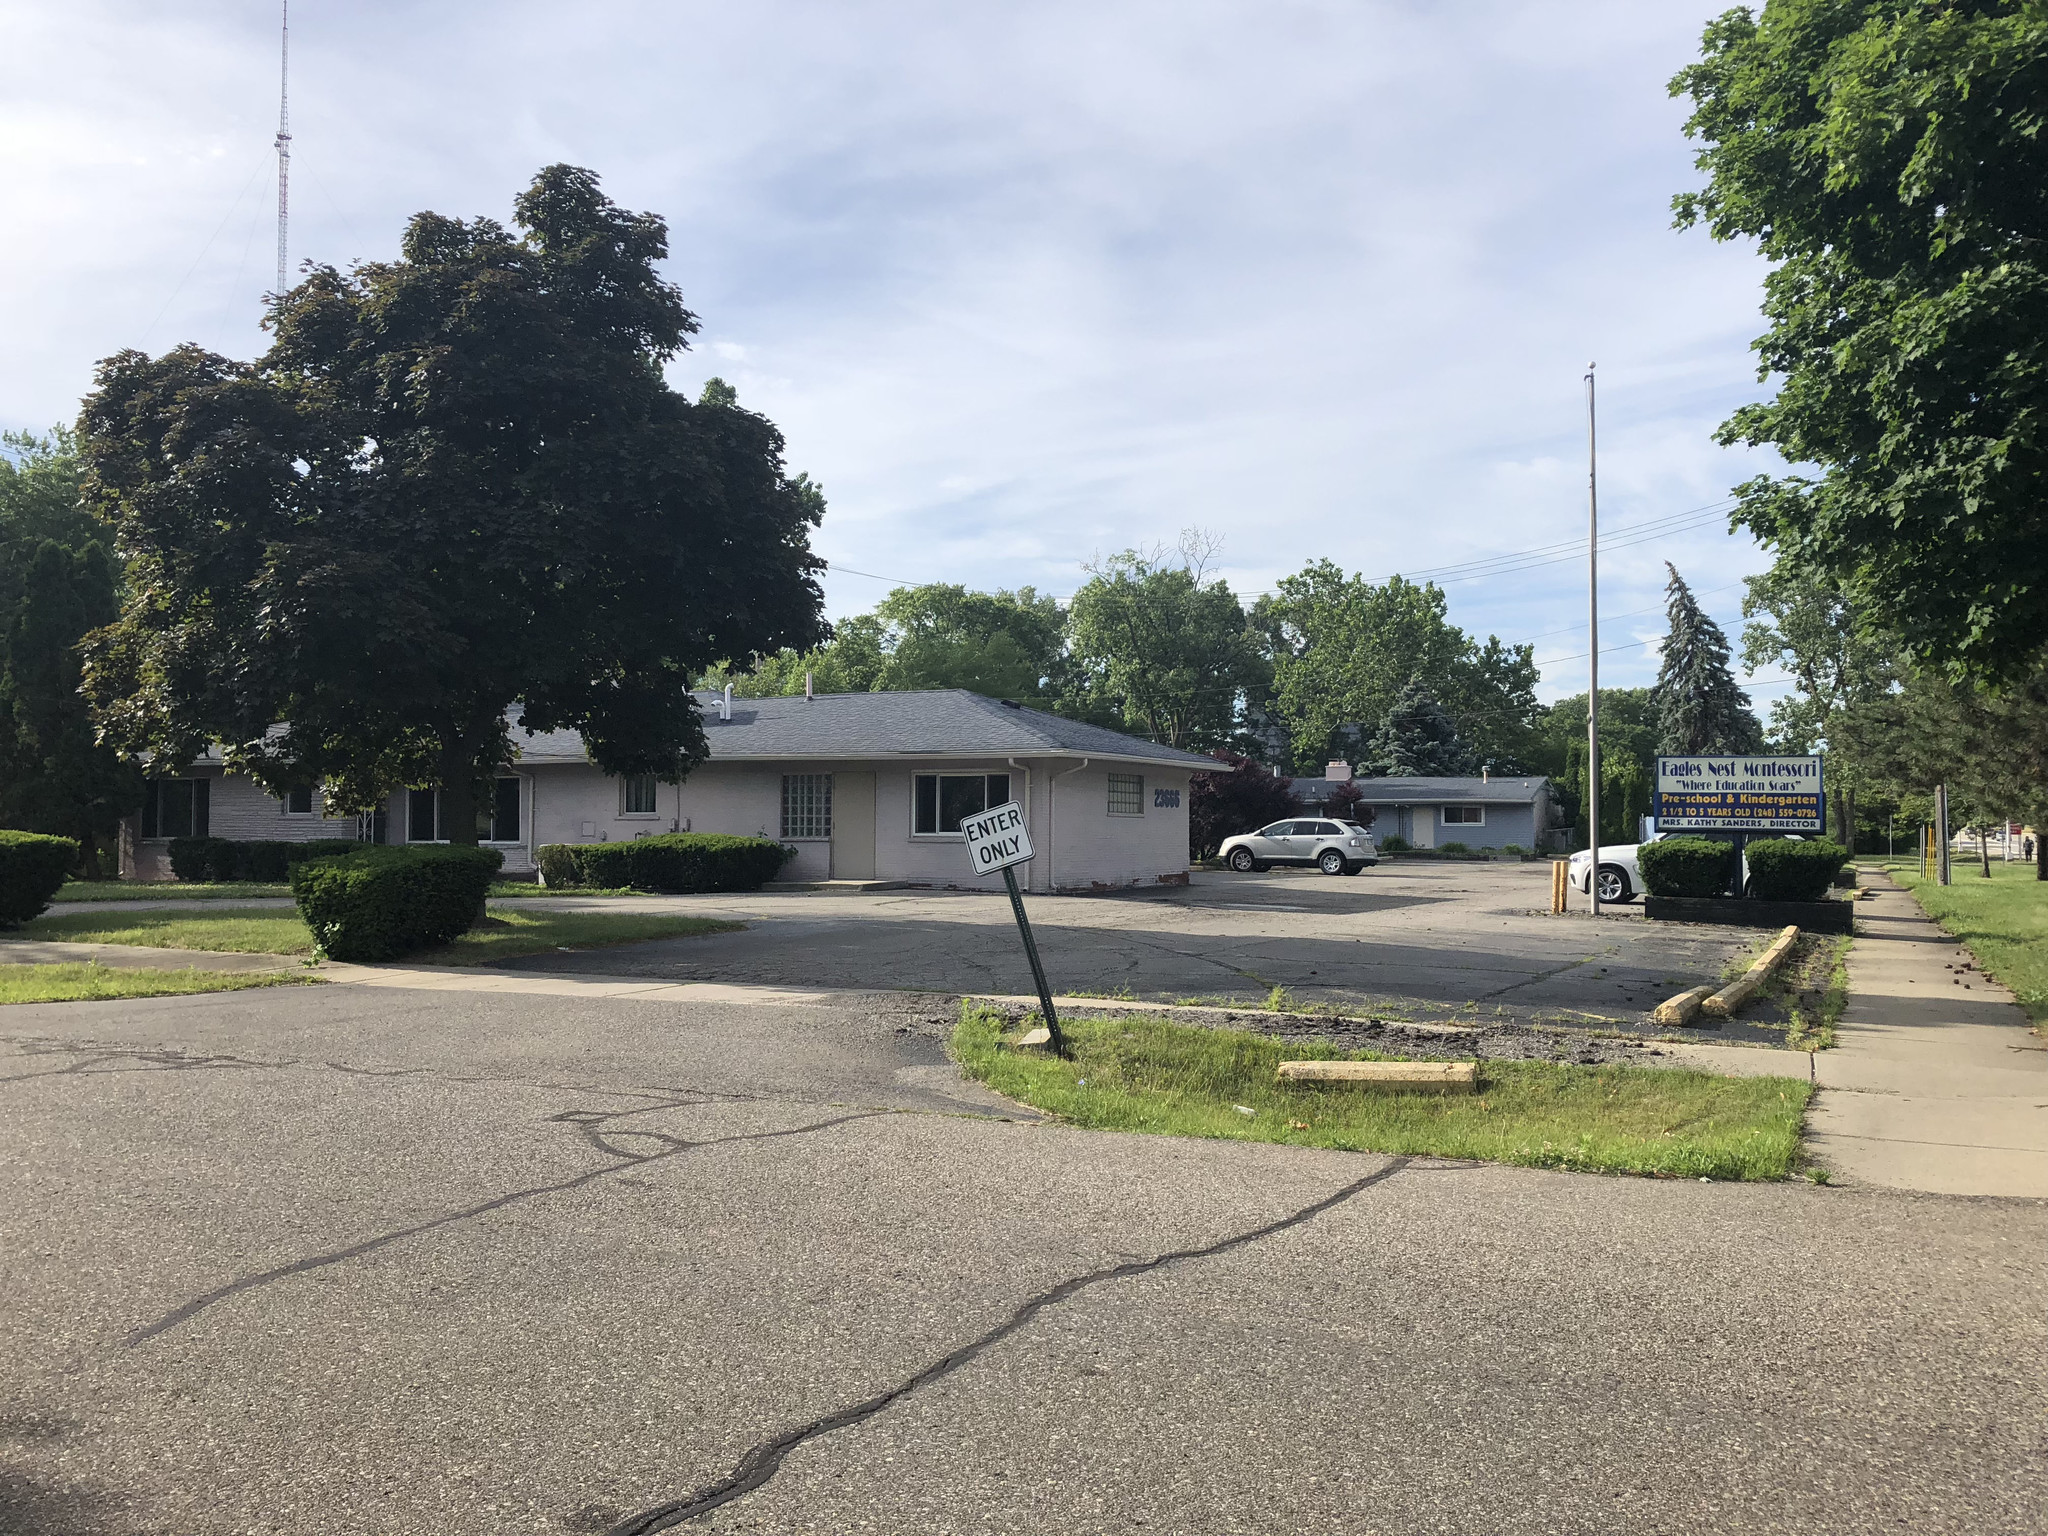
[{"x": 1936, "y": 1082}]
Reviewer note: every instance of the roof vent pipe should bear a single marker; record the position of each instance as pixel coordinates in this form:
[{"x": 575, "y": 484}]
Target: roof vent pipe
[
  {"x": 725, "y": 703},
  {"x": 808, "y": 694},
  {"x": 1486, "y": 774}
]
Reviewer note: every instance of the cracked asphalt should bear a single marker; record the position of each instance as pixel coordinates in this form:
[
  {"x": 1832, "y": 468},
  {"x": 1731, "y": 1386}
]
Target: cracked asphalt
[
  {"x": 1427, "y": 941},
  {"x": 335, "y": 1260}
]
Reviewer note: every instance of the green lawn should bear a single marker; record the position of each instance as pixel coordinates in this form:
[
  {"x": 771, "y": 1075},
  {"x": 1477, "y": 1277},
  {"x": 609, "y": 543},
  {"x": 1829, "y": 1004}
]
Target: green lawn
[
  {"x": 1148, "y": 1074},
  {"x": 164, "y": 890},
  {"x": 270, "y": 931},
  {"x": 89, "y": 982},
  {"x": 240, "y": 930},
  {"x": 2004, "y": 920}
]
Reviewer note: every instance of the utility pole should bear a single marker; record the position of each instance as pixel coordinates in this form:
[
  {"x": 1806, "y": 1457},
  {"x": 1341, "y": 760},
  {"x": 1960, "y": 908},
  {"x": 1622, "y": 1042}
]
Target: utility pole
[
  {"x": 1593, "y": 657},
  {"x": 284, "y": 148}
]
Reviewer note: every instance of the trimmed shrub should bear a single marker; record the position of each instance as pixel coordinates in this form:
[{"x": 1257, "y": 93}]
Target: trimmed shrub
[
  {"x": 558, "y": 866},
  {"x": 1393, "y": 843},
  {"x": 379, "y": 903},
  {"x": 32, "y": 866},
  {"x": 264, "y": 862},
  {"x": 1686, "y": 866},
  {"x": 677, "y": 862},
  {"x": 1783, "y": 870}
]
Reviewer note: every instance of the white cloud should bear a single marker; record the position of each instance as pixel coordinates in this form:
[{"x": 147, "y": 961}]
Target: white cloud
[{"x": 1020, "y": 284}]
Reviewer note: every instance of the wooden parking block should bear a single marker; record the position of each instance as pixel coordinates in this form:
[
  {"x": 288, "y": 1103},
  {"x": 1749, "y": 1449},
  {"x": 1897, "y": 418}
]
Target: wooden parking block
[{"x": 1387, "y": 1076}]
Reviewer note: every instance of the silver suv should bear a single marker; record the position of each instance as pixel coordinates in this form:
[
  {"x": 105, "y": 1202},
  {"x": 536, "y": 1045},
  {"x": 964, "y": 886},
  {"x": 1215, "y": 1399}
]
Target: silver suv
[{"x": 1334, "y": 847}]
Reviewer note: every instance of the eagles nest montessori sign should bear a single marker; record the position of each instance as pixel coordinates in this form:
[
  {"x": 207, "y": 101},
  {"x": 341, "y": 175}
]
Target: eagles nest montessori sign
[{"x": 1738, "y": 794}]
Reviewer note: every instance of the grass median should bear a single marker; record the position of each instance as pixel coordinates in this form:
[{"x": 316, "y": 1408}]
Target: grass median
[
  {"x": 1148, "y": 1074},
  {"x": 2004, "y": 920},
  {"x": 87, "y": 982},
  {"x": 270, "y": 931},
  {"x": 165, "y": 890}
]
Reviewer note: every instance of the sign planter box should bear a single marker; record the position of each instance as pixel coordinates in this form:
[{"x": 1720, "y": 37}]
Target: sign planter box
[{"x": 1811, "y": 916}]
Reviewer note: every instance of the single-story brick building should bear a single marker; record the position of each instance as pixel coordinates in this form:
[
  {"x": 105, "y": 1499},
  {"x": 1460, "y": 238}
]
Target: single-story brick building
[{"x": 865, "y": 786}]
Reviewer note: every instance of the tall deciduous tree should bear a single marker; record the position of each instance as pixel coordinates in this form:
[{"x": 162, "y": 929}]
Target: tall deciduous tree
[
  {"x": 457, "y": 481},
  {"x": 56, "y": 584},
  {"x": 1169, "y": 648},
  {"x": 1699, "y": 708},
  {"x": 1890, "y": 157},
  {"x": 1807, "y": 623},
  {"x": 1345, "y": 648}
]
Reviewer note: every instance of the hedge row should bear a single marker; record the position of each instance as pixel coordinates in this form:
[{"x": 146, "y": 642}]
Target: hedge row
[
  {"x": 32, "y": 866},
  {"x": 1687, "y": 866},
  {"x": 268, "y": 863},
  {"x": 1782, "y": 870},
  {"x": 377, "y": 903},
  {"x": 674, "y": 862}
]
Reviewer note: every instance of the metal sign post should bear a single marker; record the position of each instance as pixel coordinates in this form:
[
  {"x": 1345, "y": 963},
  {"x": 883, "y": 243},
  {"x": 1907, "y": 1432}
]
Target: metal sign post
[{"x": 997, "y": 840}]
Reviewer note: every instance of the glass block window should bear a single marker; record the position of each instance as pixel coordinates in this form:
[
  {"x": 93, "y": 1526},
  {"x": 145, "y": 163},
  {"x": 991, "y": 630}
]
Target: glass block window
[
  {"x": 806, "y": 805},
  {"x": 1126, "y": 794},
  {"x": 944, "y": 800}
]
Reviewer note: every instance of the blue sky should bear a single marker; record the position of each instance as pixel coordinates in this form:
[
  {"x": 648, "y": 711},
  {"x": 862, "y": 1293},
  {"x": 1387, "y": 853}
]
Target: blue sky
[{"x": 1022, "y": 284}]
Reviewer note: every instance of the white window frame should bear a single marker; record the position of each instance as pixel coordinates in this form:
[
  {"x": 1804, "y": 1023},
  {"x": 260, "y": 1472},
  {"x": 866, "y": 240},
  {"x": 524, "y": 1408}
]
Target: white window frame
[
  {"x": 939, "y": 798},
  {"x": 1444, "y": 816},
  {"x": 284, "y": 802},
  {"x": 1138, "y": 799},
  {"x": 819, "y": 788},
  {"x": 653, "y": 811}
]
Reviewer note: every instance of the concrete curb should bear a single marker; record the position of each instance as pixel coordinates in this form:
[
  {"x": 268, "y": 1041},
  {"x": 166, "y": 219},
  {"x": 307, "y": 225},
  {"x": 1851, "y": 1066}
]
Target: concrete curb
[
  {"x": 1682, "y": 1010},
  {"x": 1386, "y": 1076},
  {"x": 1727, "y": 1002}
]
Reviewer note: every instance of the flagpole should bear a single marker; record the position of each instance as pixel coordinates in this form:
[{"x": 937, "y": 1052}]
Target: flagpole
[{"x": 1593, "y": 659}]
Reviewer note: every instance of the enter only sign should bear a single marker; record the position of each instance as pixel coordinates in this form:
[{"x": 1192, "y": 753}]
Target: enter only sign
[{"x": 996, "y": 839}]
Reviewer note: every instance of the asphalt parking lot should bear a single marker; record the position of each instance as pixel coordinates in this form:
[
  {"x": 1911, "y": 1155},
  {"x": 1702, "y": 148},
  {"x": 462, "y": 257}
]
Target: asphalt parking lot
[
  {"x": 1421, "y": 940},
  {"x": 344, "y": 1261}
]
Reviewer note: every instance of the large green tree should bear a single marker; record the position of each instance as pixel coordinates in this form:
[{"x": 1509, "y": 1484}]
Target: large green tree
[
  {"x": 1629, "y": 731},
  {"x": 1344, "y": 649},
  {"x": 1699, "y": 707},
  {"x": 57, "y": 583},
  {"x": 1418, "y": 739},
  {"x": 1807, "y": 623},
  {"x": 1167, "y": 647},
  {"x": 456, "y": 482},
  {"x": 1890, "y": 158}
]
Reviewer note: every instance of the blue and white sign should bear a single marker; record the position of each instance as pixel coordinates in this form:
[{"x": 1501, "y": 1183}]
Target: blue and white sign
[
  {"x": 1716, "y": 793},
  {"x": 996, "y": 838}
]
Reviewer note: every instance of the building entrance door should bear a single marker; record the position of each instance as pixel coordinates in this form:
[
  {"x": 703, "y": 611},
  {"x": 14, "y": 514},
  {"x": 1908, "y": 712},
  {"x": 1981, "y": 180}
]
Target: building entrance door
[{"x": 853, "y": 826}]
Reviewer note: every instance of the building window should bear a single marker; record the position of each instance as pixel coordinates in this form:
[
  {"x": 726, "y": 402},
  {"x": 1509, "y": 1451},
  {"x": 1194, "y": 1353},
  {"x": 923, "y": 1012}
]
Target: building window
[
  {"x": 500, "y": 824},
  {"x": 1126, "y": 794},
  {"x": 176, "y": 807},
  {"x": 1464, "y": 815},
  {"x": 298, "y": 800},
  {"x": 422, "y": 815},
  {"x": 944, "y": 800},
  {"x": 636, "y": 794},
  {"x": 807, "y": 805}
]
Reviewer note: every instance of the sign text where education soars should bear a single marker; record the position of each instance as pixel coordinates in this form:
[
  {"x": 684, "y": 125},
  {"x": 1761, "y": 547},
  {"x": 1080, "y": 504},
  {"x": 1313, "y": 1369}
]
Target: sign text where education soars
[
  {"x": 1727, "y": 793},
  {"x": 996, "y": 838}
]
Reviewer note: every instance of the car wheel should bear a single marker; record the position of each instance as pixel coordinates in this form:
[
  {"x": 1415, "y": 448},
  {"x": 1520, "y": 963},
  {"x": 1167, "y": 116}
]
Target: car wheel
[
  {"x": 1614, "y": 883},
  {"x": 1242, "y": 861},
  {"x": 1331, "y": 863}
]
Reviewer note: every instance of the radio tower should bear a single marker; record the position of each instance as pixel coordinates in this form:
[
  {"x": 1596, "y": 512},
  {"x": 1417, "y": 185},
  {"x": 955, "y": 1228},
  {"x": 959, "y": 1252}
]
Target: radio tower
[{"x": 284, "y": 148}]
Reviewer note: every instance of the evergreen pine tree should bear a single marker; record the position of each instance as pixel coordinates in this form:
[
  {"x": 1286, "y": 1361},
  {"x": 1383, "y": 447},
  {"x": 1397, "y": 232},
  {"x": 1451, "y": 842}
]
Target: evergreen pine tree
[
  {"x": 1699, "y": 708},
  {"x": 1419, "y": 740}
]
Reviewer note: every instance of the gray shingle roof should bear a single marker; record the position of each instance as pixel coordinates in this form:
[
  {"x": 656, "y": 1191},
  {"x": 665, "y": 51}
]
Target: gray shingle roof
[
  {"x": 1519, "y": 790},
  {"x": 948, "y": 722}
]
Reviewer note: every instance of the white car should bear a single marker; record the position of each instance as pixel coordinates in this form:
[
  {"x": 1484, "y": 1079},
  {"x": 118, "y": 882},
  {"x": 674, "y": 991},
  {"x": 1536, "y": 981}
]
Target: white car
[
  {"x": 1621, "y": 878},
  {"x": 1334, "y": 847}
]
